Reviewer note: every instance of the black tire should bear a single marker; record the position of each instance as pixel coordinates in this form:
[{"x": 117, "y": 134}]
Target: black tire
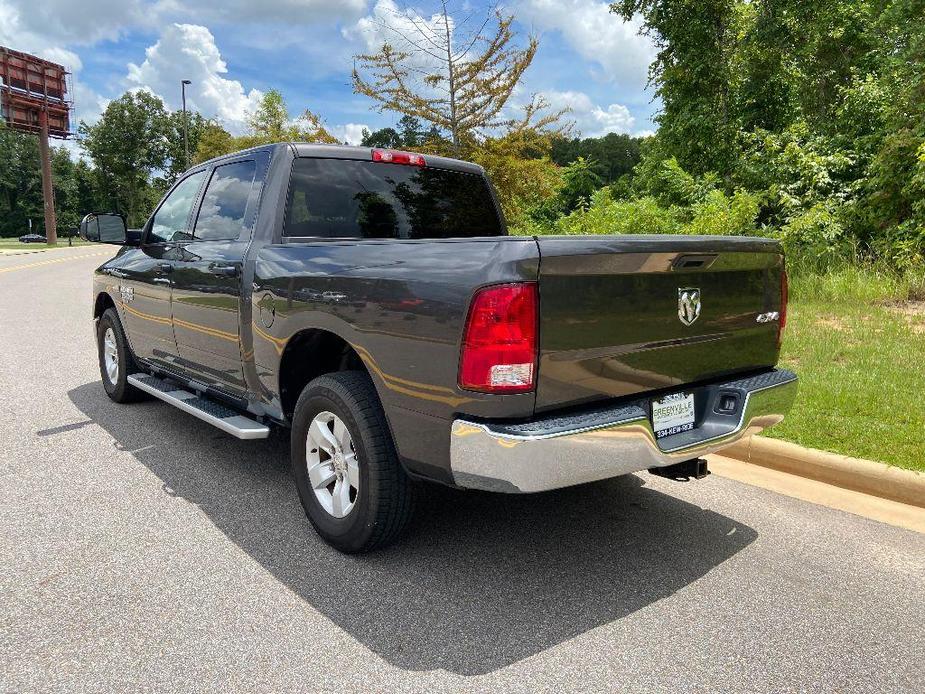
[
  {"x": 385, "y": 499},
  {"x": 118, "y": 388}
]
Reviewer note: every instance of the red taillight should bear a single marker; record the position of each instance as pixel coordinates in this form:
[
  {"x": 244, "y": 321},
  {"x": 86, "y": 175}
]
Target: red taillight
[
  {"x": 499, "y": 342},
  {"x": 393, "y": 156},
  {"x": 782, "y": 318}
]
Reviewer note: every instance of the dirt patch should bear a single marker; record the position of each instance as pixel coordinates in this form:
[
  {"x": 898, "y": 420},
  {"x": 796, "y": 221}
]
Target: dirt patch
[
  {"x": 831, "y": 322},
  {"x": 912, "y": 307},
  {"x": 913, "y": 311}
]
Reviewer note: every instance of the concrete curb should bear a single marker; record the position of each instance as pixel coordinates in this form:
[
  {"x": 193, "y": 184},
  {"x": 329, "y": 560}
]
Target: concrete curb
[{"x": 865, "y": 476}]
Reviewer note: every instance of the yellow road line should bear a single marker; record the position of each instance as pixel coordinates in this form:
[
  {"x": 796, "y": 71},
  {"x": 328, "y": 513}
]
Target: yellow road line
[{"x": 49, "y": 262}]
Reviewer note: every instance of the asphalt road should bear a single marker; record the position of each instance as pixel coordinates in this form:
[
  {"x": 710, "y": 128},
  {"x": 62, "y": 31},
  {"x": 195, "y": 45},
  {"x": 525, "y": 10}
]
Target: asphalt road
[{"x": 142, "y": 549}]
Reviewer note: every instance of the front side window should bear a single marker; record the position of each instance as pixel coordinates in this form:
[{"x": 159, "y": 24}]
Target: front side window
[
  {"x": 224, "y": 206},
  {"x": 343, "y": 198},
  {"x": 171, "y": 221}
]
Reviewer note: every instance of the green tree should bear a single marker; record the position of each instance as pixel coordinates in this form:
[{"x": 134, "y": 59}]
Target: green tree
[
  {"x": 614, "y": 155},
  {"x": 20, "y": 182},
  {"x": 196, "y": 128},
  {"x": 127, "y": 145},
  {"x": 269, "y": 123},
  {"x": 409, "y": 134},
  {"x": 579, "y": 181},
  {"x": 692, "y": 74},
  {"x": 519, "y": 167},
  {"x": 21, "y": 185},
  {"x": 383, "y": 137},
  {"x": 814, "y": 111}
]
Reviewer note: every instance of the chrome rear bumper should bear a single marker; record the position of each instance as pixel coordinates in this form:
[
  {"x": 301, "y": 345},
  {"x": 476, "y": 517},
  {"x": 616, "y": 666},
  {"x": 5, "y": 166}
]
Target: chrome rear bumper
[{"x": 561, "y": 451}]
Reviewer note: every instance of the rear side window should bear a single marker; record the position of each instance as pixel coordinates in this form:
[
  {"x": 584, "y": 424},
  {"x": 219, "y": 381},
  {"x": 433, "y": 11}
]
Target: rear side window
[
  {"x": 223, "y": 211},
  {"x": 340, "y": 198}
]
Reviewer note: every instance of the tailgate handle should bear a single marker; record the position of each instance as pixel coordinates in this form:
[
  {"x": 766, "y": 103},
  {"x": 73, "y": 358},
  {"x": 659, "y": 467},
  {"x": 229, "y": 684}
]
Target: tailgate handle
[{"x": 693, "y": 262}]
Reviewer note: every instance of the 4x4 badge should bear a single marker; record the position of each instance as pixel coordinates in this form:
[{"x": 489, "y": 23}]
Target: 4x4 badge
[{"x": 688, "y": 304}]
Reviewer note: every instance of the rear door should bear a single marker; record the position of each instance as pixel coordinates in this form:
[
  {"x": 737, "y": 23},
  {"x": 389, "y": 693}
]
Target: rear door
[
  {"x": 207, "y": 274},
  {"x": 145, "y": 278},
  {"x": 621, "y": 315}
]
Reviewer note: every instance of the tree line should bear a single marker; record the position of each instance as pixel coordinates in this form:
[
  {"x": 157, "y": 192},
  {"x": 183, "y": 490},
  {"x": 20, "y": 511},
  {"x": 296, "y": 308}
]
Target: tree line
[{"x": 794, "y": 119}]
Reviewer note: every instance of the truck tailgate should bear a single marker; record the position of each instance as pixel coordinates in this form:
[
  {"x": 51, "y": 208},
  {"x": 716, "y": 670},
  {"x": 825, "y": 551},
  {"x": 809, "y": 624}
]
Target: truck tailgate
[{"x": 619, "y": 314}]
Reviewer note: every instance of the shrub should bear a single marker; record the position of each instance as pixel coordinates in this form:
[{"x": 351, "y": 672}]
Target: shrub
[
  {"x": 665, "y": 180},
  {"x": 817, "y": 240},
  {"x": 604, "y": 215},
  {"x": 902, "y": 246},
  {"x": 721, "y": 215},
  {"x": 521, "y": 172}
]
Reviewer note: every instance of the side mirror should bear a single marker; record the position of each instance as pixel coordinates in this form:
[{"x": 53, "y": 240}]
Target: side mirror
[{"x": 104, "y": 227}]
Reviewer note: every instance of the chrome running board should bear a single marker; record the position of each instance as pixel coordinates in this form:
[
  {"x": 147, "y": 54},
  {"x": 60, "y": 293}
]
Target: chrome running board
[{"x": 216, "y": 414}]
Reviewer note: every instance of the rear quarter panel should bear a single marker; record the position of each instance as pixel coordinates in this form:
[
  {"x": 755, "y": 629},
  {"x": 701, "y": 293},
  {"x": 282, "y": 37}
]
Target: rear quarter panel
[{"x": 402, "y": 306}]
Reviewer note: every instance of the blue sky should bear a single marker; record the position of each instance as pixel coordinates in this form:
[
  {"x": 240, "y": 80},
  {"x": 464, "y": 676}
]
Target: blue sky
[{"x": 234, "y": 50}]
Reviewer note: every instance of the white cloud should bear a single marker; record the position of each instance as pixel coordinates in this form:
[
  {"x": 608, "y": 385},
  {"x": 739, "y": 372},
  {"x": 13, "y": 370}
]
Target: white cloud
[
  {"x": 21, "y": 35},
  {"x": 595, "y": 34},
  {"x": 406, "y": 30},
  {"x": 590, "y": 119},
  {"x": 387, "y": 23},
  {"x": 30, "y": 30},
  {"x": 351, "y": 133},
  {"x": 87, "y": 22},
  {"x": 299, "y": 12},
  {"x": 188, "y": 51},
  {"x": 88, "y": 104},
  {"x": 67, "y": 22}
]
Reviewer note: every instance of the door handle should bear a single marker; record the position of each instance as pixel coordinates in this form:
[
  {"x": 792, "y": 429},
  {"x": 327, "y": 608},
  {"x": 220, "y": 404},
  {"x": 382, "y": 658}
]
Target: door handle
[
  {"x": 165, "y": 267},
  {"x": 224, "y": 270}
]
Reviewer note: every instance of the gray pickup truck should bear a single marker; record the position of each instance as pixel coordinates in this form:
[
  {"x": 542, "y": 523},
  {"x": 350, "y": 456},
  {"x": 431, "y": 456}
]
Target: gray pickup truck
[{"x": 372, "y": 302}]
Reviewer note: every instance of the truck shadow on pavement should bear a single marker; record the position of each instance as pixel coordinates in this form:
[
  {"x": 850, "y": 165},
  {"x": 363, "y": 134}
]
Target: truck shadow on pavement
[{"x": 480, "y": 582}]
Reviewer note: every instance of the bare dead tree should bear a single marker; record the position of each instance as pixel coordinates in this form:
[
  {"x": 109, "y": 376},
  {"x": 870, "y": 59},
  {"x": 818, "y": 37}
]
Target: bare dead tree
[{"x": 460, "y": 79}]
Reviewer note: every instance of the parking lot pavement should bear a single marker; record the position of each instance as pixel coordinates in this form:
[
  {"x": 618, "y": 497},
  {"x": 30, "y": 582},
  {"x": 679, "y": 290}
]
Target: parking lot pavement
[{"x": 142, "y": 549}]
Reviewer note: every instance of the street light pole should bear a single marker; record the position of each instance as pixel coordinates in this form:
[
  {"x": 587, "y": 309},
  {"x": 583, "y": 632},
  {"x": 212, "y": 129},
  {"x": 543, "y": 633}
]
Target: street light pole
[{"x": 183, "y": 84}]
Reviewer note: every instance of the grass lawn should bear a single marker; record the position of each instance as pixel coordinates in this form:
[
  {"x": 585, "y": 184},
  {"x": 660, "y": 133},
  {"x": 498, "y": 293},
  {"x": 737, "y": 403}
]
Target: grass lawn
[
  {"x": 857, "y": 340},
  {"x": 13, "y": 244}
]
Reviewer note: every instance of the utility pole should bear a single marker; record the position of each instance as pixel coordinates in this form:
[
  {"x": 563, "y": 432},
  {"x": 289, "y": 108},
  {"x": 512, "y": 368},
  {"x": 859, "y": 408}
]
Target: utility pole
[
  {"x": 183, "y": 84},
  {"x": 48, "y": 190}
]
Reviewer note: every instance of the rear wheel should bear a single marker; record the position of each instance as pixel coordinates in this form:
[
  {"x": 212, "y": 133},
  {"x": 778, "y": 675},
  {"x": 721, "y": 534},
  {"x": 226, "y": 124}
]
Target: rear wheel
[
  {"x": 350, "y": 482},
  {"x": 116, "y": 361}
]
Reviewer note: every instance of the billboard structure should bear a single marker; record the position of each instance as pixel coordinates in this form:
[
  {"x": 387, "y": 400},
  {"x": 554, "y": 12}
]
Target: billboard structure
[{"x": 34, "y": 99}]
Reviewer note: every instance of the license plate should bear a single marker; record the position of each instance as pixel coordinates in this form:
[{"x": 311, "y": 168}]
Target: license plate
[{"x": 673, "y": 414}]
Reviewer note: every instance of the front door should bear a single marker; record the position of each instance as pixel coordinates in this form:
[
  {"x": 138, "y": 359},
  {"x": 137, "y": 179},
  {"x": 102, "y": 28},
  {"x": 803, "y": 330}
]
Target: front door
[
  {"x": 207, "y": 276},
  {"x": 145, "y": 278}
]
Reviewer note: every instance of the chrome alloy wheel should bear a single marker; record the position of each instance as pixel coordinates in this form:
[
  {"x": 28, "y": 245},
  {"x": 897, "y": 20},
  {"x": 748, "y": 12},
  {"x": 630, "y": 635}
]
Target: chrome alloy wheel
[
  {"x": 111, "y": 356},
  {"x": 333, "y": 471}
]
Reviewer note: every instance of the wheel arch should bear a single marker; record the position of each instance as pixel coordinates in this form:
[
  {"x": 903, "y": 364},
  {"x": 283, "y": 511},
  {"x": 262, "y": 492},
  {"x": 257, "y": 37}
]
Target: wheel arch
[
  {"x": 101, "y": 303},
  {"x": 310, "y": 353}
]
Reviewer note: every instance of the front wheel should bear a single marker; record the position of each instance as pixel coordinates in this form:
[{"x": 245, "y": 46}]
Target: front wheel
[
  {"x": 354, "y": 491},
  {"x": 116, "y": 361}
]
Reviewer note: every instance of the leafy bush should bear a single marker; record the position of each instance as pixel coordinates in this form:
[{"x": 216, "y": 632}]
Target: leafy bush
[
  {"x": 816, "y": 240},
  {"x": 665, "y": 180},
  {"x": 604, "y": 215},
  {"x": 521, "y": 172},
  {"x": 902, "y": 246},
  {"x": 720, "y": 214}
]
